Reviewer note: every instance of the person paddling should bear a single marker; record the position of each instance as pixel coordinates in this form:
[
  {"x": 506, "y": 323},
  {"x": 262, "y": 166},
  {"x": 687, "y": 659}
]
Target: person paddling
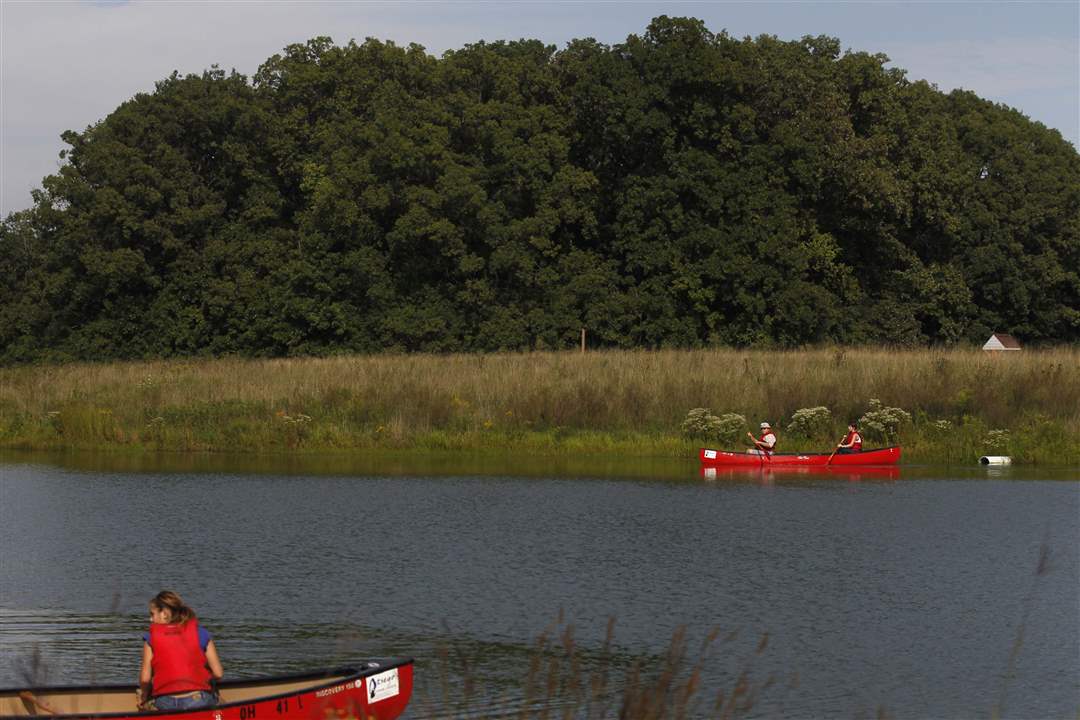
[
  {"x": 852, "y": 442},
  {"x": 764, "y": 445},
  {"x": 179, "y": 658}
]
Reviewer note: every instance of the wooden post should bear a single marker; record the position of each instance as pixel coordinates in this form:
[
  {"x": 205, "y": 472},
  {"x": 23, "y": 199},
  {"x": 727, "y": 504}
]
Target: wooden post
[{"x": 582, "y": 340}]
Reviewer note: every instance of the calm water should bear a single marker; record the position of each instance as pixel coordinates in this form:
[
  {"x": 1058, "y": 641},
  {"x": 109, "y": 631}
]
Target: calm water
[{"x": 904, "y": 593}]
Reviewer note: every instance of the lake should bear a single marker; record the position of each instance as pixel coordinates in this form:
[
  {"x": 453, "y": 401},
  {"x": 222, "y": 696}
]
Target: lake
[{"x": 915, "y": 593}]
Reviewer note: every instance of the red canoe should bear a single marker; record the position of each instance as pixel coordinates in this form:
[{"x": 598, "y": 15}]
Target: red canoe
[
  {"x": 369, "y": 691},
  {"x": 880, "y": 456}
]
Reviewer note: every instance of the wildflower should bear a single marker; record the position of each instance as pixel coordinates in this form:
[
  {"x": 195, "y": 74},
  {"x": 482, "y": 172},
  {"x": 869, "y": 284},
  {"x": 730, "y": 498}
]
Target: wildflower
[
  {"x": 883, "y": 422},
  {"x": 700, "y": 422},
  {"x": 997, "y": 439},
  {"x": 811, "y": 422}
]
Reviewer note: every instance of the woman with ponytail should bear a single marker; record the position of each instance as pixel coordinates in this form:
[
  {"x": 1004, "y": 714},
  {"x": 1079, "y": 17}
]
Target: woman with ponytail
[{"x": 178, "y": 659}]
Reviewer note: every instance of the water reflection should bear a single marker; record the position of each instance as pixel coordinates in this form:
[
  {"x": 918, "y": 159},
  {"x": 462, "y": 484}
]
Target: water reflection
[
  {"x": 457, "y": 464},
  {"x": 366, "y": 464},
  {"x": 771, "y": 476}
]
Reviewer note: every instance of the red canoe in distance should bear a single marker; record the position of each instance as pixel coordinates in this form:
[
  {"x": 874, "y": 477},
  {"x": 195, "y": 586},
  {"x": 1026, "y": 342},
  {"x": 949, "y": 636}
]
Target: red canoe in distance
[
  {"x": 880, "y": 456},
  {"x": 369, "y": 691},
  {"x": 770, "y": 475}
]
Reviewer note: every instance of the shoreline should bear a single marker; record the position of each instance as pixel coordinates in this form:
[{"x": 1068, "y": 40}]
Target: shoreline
[
  {"x": 946, "y": 407},
  {"x": 465, "y": 466},
  {"x": 585, "y": 448}
]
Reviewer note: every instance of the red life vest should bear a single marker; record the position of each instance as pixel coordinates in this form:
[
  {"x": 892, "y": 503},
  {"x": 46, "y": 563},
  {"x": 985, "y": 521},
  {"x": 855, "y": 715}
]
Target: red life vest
[
  {"x": 855, "y": 440},
  {"x": 771, "y": 450},
  {"x": 178, "y": 663}
]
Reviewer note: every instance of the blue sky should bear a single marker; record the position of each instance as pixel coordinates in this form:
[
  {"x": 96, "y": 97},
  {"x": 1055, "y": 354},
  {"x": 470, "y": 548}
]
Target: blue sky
[{"x": 66, "y": 64}]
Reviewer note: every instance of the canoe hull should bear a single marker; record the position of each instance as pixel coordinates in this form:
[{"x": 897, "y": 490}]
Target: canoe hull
[
  {"x": 371, "y": 691},
  {"x": 880, "y": 456}
]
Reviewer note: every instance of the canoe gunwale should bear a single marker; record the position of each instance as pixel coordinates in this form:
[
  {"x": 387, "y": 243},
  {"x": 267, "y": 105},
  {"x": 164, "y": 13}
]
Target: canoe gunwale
[{"x": 334, "y": 677}]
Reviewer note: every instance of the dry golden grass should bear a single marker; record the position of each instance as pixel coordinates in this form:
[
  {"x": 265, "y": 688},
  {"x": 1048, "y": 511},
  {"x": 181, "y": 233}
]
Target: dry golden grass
[
  {"x": 353, "y": 401},
  {"x": 566, "y": 680}
]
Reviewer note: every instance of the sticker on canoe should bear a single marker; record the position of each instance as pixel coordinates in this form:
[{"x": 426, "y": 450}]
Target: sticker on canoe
[
  {"x": 330, "y": 691},
  {"x": 382, "y": 686},
  {"x": 710, "y": 454}
]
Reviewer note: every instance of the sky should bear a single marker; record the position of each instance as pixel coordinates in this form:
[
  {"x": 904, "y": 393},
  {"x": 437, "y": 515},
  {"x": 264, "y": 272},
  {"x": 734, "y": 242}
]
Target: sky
[{"x": 66, "y": 64}]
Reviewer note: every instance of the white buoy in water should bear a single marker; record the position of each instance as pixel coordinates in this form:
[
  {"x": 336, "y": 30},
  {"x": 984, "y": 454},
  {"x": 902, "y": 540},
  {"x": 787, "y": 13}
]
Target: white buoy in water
[{"x": 995, "y": 460}]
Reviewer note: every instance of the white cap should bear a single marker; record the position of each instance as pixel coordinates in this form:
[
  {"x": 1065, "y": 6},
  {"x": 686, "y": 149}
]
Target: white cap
[{"x": 766, "y": 425}]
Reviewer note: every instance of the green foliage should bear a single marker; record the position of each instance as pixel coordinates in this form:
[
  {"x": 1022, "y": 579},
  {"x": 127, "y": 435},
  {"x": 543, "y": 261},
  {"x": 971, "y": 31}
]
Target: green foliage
[
  {"x": 701, "y": 423},
  {"x": 683, "y": 188},
  {"x": 883, "y": 423},
  {"x": 730, "y": 428},
  {"x": 997, "y": 440},
  {"x": 812, "y": 422}
]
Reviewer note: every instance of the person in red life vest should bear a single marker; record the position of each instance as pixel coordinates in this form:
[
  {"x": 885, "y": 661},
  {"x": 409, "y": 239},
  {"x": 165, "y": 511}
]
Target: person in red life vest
[
  {"x": 178, "y": 659},
  {"x": 764, "y": 445},
  {"x": 852, "y": 441}
]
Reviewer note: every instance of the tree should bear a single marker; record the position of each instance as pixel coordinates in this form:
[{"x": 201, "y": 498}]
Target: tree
[{"x": 680, "y": 188}]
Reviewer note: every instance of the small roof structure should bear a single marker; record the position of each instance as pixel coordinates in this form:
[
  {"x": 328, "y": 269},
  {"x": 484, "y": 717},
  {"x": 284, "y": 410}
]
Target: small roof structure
[{"x": 1001, "y": 341}]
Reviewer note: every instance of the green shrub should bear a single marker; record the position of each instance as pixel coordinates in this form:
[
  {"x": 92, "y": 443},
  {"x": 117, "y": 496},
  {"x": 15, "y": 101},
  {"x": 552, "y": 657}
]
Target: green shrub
[
  {"x": 811, "y": 422},
  {"x": 701, "y": 423},
  {"x": 732, "y": 426},
  {"x": 883, "y": 423}
]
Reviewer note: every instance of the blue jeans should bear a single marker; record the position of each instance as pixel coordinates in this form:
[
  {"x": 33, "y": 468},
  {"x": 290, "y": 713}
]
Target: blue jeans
[{"x": 177, "y": 702}]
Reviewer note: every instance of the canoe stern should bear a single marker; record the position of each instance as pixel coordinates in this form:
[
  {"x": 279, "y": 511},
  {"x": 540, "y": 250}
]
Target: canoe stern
[{"x": 370, "y": 691}]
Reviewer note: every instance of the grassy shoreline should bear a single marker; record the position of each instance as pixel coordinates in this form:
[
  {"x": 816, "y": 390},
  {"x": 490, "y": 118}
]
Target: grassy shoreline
[{"x": 961, "y": 403}]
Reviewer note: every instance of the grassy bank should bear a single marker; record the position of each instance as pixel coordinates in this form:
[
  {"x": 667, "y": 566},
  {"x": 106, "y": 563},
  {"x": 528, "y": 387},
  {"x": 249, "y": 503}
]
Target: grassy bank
[{"x": 960, "y": 403}]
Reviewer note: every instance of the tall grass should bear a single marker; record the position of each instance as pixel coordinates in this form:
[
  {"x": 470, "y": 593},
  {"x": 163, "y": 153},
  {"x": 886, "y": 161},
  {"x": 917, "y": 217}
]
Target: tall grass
[
  {"x": 613, "y": 401},
  {"x": 566, "y": 680}
]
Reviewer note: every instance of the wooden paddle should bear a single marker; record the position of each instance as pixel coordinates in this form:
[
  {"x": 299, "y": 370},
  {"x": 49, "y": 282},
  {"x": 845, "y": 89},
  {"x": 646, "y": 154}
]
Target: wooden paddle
[
  {"x": 32, "y": 704},
  {"x": 833, "y": 452}
]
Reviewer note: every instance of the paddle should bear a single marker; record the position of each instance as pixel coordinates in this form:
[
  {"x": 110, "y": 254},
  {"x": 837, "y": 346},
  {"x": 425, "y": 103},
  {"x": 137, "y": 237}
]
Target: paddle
[
  {"x": 32, "y": 704},
  {"x": 833, "y": 452}
]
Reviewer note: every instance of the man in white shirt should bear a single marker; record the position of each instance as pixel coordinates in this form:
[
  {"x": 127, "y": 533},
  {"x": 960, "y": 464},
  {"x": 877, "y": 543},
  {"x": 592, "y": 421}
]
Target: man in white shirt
[{"x": 766, "y": 444}]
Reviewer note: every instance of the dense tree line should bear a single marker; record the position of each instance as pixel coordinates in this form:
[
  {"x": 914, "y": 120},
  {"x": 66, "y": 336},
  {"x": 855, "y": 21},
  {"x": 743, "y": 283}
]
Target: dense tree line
[{"x": 683, "y": 188}]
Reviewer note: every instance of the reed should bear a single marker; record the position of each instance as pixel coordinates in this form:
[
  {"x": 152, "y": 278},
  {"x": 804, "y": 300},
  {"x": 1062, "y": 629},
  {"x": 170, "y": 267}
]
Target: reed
[
  {"x": 567, "y": 680},
  {"x": 596, "y": 402}
]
